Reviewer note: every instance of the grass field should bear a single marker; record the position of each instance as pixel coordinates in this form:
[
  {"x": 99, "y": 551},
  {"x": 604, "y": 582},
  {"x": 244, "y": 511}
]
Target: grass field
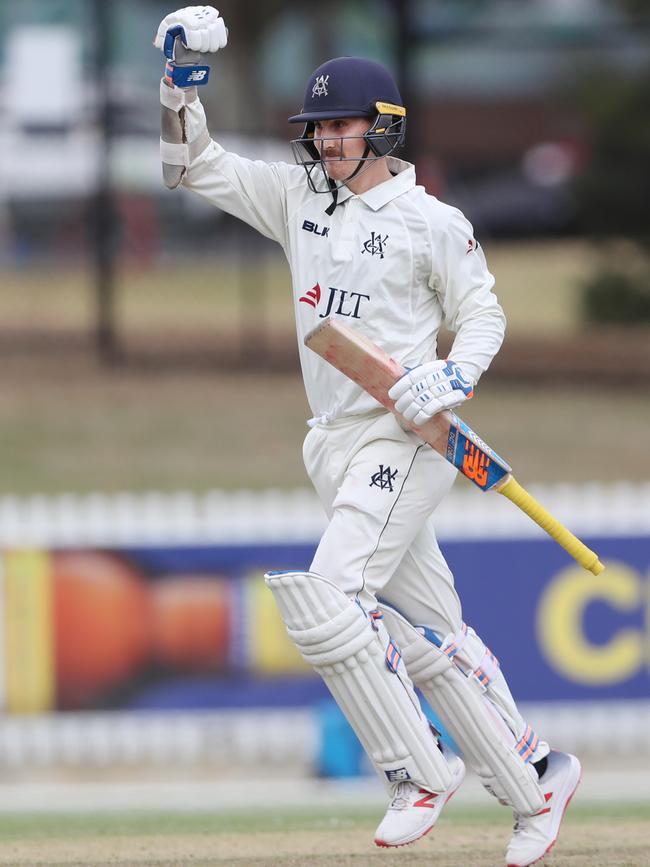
[
  {"x": 67, "y": 424},
  {"x": 67, "y": 427},
  {"x": 538, "y": 285},
  {"x": 592, "y": 836}
]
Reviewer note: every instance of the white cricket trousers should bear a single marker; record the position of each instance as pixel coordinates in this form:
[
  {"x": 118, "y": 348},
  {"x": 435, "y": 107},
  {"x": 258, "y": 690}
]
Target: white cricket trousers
[{"x": 380, "y": 485}]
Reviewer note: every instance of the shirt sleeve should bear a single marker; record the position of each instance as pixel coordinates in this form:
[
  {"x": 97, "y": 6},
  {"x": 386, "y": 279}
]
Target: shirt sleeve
[
  {"x": 464, "y": 284},
  {"x": 251, "y": 190}
]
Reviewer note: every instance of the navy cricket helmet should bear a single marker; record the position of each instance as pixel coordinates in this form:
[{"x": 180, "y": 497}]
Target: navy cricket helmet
[{"x": 350, "y": 87}]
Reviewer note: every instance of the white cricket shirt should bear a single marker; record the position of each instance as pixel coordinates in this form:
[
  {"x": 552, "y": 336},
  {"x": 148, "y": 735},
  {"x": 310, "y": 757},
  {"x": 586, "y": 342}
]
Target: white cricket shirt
[{"x": 393, "y": 262}]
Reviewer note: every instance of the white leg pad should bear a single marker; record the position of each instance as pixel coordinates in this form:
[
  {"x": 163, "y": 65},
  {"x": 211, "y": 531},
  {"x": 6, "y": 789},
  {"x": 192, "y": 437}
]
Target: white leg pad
[
  {"x": 335, "y": 636},
  {"x": 478, "y": 729}
]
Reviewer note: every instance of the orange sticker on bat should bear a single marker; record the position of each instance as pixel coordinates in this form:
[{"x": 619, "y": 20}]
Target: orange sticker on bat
[{"x": 475, "y": 464}]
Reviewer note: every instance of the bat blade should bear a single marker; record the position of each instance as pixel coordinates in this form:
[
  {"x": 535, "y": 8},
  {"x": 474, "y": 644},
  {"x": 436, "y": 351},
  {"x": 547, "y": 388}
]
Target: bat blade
[{"x": 376, "y": 371}]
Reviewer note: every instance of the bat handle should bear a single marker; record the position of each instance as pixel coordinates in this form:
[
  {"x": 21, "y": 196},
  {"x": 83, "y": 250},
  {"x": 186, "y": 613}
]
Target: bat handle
[{"x": 528, "y": 504}]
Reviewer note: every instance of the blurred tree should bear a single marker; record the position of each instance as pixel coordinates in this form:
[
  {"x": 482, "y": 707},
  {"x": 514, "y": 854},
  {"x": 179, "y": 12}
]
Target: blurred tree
[
  {"x": 613, "y": 196},
  {"x": 330, "y": 30},
  {"x": 635, "y": 8},
  {"x": 614, "y": 186},
  {"x": 247, "y": 30}
]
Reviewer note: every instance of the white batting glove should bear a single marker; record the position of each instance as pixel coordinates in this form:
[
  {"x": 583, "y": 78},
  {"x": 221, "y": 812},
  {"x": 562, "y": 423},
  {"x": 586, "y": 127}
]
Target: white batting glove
[
  {"x": 201, "y": 29},
  {"x": 429, "y": 388}
]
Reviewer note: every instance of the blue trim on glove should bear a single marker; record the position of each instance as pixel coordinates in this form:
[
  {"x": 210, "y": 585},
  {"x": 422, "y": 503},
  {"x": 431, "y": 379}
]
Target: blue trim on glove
[{"x": 170, "y": 38}]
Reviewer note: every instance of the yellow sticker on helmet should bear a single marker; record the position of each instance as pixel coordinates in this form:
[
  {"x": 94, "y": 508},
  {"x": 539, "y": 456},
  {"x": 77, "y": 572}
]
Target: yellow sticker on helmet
[{"x": 390, "y": 108}]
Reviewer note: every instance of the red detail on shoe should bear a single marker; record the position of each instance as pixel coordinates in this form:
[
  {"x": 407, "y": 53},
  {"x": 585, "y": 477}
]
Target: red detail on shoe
[
  {"x": 385, "y": 845},
  {"x": 553, "y": 842},
  {"x": 547, "y": 798},
  {"x": 427, "y": 801}
]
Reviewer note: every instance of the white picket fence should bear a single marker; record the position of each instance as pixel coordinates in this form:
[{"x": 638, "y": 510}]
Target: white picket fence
[
  {"x": 274, "y": 515},
  {"x": 257, "y": 739},
  {"x": 126, "y": 738}
]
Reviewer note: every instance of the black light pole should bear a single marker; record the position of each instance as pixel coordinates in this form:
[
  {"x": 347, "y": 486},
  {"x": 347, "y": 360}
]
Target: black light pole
[
  {"x": 405, "y": 42},
  {"x": 102, "y": 213}
]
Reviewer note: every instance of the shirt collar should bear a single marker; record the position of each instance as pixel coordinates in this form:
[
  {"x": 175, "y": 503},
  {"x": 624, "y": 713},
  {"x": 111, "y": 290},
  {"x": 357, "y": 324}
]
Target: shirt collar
[
  {"x": 376, "y": 197},
  {"x": 402, "y": 181}
]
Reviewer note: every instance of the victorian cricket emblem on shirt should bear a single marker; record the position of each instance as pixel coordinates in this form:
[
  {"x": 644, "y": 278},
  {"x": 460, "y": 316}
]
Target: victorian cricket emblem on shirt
[{"x": 375, "y": 245}]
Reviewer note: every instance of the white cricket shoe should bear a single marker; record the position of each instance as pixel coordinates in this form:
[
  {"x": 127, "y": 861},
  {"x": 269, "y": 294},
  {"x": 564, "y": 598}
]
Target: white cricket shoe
[
  {"x": 535, "y": 835},
  {"x": 413, "y": 811}
]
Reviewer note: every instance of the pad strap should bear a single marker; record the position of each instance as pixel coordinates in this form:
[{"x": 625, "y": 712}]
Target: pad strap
[
  {"x": 487, "y": 670},
  {"x": 527, "y": 744},
  {"x": 469, "y": 716},
  {"x": 454, "y": 642}
]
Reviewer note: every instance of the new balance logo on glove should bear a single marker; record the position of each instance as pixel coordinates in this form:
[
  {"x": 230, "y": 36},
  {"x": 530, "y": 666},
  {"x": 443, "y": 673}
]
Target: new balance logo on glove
[{"x": 186, "y": 76}]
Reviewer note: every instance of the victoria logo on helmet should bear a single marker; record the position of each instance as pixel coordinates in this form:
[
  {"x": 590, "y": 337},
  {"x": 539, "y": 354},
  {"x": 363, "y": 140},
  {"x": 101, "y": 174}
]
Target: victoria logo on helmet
[{"x": 320, "y": 86}]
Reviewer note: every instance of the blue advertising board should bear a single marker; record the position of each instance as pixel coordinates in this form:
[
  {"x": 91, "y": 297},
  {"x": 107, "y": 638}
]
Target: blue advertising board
[{"x": 559, "y": 632}]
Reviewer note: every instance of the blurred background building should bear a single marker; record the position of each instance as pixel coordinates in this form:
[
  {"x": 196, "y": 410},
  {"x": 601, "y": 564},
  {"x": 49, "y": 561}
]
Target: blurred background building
[{"x": 151, "y": 410}]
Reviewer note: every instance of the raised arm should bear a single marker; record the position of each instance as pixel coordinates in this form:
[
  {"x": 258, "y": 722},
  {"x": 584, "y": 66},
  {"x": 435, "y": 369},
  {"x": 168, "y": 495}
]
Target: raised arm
[{"x": 252, "y": 190}]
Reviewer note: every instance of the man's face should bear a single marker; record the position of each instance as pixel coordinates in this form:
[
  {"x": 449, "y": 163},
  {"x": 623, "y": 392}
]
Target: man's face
[{"x": 340, "y": 144}]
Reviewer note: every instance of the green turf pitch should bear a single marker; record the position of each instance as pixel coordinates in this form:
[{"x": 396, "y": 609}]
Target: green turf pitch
[{"x": 592, "y": 836}]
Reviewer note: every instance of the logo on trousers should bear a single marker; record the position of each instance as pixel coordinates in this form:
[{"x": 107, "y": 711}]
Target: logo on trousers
[{"x": 383, "y": 478}]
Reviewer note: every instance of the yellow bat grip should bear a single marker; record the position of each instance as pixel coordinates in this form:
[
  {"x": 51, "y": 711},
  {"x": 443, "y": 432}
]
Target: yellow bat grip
[{"x": 528, "y": 504}]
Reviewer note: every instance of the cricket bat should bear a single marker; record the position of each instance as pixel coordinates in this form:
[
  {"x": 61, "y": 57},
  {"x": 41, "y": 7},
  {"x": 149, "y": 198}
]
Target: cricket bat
[{"x": 374, "y": 370}]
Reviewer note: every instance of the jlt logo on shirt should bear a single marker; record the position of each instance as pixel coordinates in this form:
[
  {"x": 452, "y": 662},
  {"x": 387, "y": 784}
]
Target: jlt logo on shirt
[
  {"x": 344, "y": 303},
  {"x": 311, "y": 296},
  {"x": 340, "y": 301}
]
